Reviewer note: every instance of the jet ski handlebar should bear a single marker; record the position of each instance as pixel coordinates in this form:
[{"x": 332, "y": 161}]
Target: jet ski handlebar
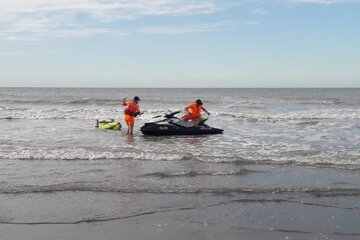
[{"x": 170, "y": 115}]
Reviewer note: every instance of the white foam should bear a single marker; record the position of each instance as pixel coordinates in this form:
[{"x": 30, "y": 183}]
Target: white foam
[
  {"x": 77, "y": 113},
  {"x": 317, "y": 114},
  {"x": 271, "y": 155},
  {"x": 43, "y": 153},
  {"x": 149, "y": 114}
]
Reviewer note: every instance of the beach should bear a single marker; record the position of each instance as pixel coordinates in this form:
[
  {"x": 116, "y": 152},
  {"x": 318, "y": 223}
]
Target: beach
[{"x": 286, "y": 167}]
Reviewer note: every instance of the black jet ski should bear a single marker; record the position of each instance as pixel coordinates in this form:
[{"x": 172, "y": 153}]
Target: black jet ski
[{"x": 172, "y": 125}]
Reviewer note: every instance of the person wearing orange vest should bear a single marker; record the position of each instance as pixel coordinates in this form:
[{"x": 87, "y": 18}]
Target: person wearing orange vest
[
  {"x": 132, "y": 109},
  {"x": 193, "y": 111}
]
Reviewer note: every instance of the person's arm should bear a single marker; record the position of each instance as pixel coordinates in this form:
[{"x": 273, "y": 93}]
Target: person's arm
[
  {"x": 124, "y": 102},
  {"x": 138, "y": 112},
  {"x": 205, "y": 111}
]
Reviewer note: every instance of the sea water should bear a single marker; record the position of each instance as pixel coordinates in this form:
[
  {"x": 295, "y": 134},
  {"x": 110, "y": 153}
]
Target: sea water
[{"x": 281, "y": 148}]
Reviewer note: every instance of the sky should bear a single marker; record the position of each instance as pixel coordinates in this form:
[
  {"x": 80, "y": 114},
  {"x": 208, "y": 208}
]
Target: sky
[{"x": 180, "y": 43}]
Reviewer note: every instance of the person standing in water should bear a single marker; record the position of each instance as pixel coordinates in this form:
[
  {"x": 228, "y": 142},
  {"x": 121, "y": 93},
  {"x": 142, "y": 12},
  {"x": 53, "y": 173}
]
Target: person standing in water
[
  {"x": 132, "y": 109},
  {"x": 193, "y": 111}
]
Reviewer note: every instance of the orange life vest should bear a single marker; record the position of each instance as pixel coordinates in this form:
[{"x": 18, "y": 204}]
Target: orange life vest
[
  {"x": 132, "y": 109},
  {"x": 195, "y": 109}
]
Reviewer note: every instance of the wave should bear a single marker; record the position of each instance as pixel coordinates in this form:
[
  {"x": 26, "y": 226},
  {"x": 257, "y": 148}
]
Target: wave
[
  {"x": 308, "y": 123},
  {"x": 66, "y": 153},
  {"x": 321, "y": 102},
  {"x": 345, "y": 159},
  {"x": 310, "y": 117},
  {"x": 7, "y": 108},
  {"x": 69, "y": 102},
  {"x": 52, "y": 114},
  {"x": 103, "y": 188},
  {"x": 90, "y": 101},
  {"x": 194, "y": 173},
  {"x": 342, "y": 159},
  {"x": 8, "y": 113}
]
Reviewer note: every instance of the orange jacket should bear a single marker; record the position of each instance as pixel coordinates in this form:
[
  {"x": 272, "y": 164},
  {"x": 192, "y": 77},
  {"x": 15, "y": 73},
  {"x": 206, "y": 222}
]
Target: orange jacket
[
  {"x": 195, "y": 109},
  {"x": 131, "y": 109}
]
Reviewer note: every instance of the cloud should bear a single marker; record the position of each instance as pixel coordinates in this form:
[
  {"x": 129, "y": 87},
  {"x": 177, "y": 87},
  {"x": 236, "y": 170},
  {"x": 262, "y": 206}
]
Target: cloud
[
  {"x": 6, "y": 54},
  {"x": 250, "y": 22},
  {"x": 319, "y": 1},
  {"x": 37, "y": 19},
  {"x": 259, "y": 11},
  {"x": 119, "y": 9},
  {"x": 193, "y": 28},
  {"x": 19, "y": 53},
  {"x": 36, "y": 28}
]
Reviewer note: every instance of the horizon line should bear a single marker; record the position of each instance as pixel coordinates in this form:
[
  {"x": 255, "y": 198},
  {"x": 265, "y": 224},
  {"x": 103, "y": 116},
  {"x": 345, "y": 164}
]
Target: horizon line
[{"x": 318, "y": 87}]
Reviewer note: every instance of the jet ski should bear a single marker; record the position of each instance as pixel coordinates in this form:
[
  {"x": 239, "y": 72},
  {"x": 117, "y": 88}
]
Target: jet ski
[
  {"x": 108, "y": 124},
  {"x": 171, "y": 125}
]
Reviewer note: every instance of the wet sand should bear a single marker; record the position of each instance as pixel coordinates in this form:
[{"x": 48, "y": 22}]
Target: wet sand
[
  {"x": 228, "y": 201},
  {"x": 84, "y": 215},
  {"x": 121, "y": 230},
  {"x": 199, "y": 224}
]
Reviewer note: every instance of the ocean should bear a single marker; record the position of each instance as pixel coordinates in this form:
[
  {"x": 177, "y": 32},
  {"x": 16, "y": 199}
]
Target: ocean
[{"x": 286, "y": 167}]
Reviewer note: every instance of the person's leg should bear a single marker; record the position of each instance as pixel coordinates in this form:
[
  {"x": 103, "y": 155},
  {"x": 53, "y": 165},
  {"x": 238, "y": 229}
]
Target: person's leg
[
  {"x": 126, "y": 118},
  {"x": 130, "y": 120},
  {"x": 187, "y": 117},
  {"x": 131, "y": 129},
  {"x": 197, "y": 121}
]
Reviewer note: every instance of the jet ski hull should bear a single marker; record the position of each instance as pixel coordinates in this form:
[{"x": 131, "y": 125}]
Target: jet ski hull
[{"x": 166, "y": 130}]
